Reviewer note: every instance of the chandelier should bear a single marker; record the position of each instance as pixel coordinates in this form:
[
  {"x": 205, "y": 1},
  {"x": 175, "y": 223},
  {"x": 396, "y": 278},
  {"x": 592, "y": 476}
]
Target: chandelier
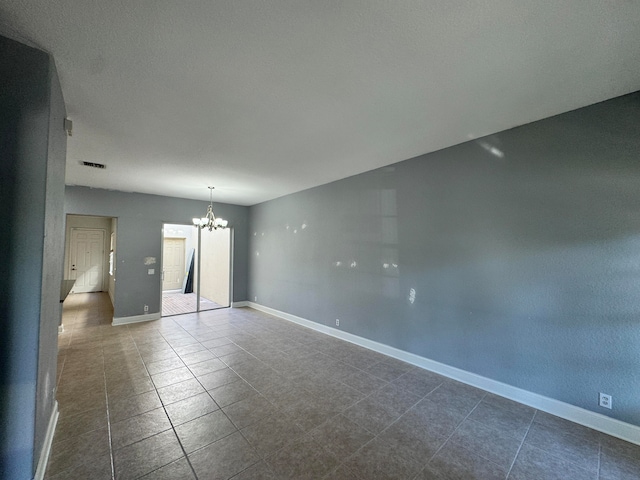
[{"x": 209, "y": 220}]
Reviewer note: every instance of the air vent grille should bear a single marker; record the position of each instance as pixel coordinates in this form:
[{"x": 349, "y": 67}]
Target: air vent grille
[{"x": 94, "y": 165}]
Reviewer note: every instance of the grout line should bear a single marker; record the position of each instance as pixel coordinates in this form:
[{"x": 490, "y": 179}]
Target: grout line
[
  {"x": 376, "y": 435},
  {"x": 164, "y": 407},
  {"x": 206, "y": 391},
  {"x": 262, "y": 395},
  {"x": 106, "y": 395},
  {"x": 522, "y": 443},
  {"x": 456, "y": 429},
  {"x": 552, "y": 453},
  {"x": 599, "y": 457}
]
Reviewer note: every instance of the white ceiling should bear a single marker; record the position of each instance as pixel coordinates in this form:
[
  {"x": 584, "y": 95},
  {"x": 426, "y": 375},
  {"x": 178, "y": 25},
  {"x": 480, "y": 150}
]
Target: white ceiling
[{"x": 265, "y": 98}]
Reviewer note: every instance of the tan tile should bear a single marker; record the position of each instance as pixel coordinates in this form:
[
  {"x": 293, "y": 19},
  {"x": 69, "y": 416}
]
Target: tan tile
[
  {"x": 94, "y": 467},
  {"x": 493, "y": 444},
  {"x": 455, "y": 462},
  {"x": 180, "y": 391},
  {"x": 302, "y": 459},
  {"x": 515, "y": 420},
  {"x": 582, "y": 450},
  {"x": 179, "y": 469},
  {"x": 532, "y": 462},
  {"x": 232, "y": 393},
  {"x": 272, "y": 433},
  {"x": 204, "y": 430},
  {"x": 134, "y": 429},
  {"x": 223, "y": 459},
  {"x": 217, "y": 378},
  {"x": 73, "y": 452},
  {"x": 340, "y": 436},
  {"x": 298, "y": 381},
  {"x": 147, "y": 455},
  {"x": 71, "y": 426},
  {"x": 172, "y": 376},
  {"x": 249, "y": 410},
  {"x": 190, "y": 408},
  {"x": 371, "y": 415},
  {"x": 131, "y": 406}
]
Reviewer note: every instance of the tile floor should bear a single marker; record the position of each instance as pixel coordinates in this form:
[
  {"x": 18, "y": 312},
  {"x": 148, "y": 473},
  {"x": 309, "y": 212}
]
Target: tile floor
[{"x": 238, "y": 394}]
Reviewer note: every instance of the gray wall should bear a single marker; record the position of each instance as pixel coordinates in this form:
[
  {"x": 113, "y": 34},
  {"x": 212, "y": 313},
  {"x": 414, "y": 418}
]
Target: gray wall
[
  {"x": 522, "y": 249},
  {"x": 33, "y": 149},
  {"x": 52, "y": 260},
  {"x": 140, "y": 218}
]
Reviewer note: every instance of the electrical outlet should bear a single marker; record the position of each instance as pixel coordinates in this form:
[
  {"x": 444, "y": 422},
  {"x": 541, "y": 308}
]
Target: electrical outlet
[
  {"x": 337, "y": 322},
  {"x": 255, "y": 299},
  {"x": 146, "y": 308},
  {"x": 606, "y": 401}
]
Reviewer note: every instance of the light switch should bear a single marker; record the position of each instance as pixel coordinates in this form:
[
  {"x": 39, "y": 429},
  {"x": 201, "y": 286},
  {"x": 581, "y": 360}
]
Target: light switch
[{"x": 151, "y": 271}]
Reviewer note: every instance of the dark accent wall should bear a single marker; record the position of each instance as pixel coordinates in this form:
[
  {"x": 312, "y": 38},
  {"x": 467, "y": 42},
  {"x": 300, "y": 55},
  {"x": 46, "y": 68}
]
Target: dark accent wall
[
  {"x": 33, "y": 151},
  {"x": 515, "y": 256},
  {"x": 140, "y": 219}
]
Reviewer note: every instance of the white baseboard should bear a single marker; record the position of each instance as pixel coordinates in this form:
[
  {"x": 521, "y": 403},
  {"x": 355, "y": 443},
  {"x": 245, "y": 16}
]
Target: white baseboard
[
  {"x": 243, "y": 303},
  {"x": 135, "y": 319},
  {"x": 46, "y": 446},
  {"x": 596, "y": 421}
]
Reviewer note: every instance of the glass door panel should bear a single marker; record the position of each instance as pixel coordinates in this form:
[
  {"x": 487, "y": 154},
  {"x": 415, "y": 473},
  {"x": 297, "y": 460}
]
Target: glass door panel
[{"x": 215, "y": 271}]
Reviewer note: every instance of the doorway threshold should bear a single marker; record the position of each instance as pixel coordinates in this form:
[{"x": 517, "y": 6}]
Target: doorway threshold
[{"x": 177, "y": 303}]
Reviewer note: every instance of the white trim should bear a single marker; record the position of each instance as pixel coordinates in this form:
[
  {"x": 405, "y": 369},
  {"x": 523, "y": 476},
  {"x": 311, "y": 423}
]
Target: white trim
[
  {"x": 60, "y": 329},
  {"x": 243, "y": 303},
  {"x": 135, "y": 319},
  {"x": 46, "y": 446},
  {"x": 232, "y": 241},
  {"x": 596, "y": 421}
]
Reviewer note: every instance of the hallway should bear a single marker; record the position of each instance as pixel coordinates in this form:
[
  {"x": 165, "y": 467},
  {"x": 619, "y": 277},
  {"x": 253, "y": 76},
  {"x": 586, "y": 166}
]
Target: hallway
[{"x": 235, "y": 393}]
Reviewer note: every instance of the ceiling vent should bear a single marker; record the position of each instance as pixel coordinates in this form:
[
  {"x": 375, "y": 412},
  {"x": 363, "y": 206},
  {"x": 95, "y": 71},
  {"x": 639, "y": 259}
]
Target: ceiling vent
[{"x": 94, "y": 165}]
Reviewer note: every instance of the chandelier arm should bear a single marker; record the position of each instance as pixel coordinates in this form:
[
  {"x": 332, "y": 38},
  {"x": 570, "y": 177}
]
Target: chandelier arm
[{"x": 210, "y": 221}]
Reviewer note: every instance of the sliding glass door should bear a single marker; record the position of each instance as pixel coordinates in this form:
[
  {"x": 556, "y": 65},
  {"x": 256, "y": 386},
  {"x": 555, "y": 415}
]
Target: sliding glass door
[
  {"x": 196, "y": 269},
  {"x": 215, "y": 269}
]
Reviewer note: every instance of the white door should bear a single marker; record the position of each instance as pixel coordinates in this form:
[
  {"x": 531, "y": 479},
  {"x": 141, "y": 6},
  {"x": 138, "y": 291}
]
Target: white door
[
  {"x": 86, "y": 259},
  {"x": 173, "y": 263}
]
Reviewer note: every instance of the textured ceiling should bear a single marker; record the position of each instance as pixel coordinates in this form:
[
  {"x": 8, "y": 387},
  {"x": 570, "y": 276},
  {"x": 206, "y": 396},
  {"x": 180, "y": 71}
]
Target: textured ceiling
[{"x": 265, "y": 98}]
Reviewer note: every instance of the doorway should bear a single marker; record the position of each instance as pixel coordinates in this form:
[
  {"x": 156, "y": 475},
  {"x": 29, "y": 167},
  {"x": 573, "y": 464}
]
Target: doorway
[
  {"x": 196, "y": 269},
  {"x": 89, "y": 254}
]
